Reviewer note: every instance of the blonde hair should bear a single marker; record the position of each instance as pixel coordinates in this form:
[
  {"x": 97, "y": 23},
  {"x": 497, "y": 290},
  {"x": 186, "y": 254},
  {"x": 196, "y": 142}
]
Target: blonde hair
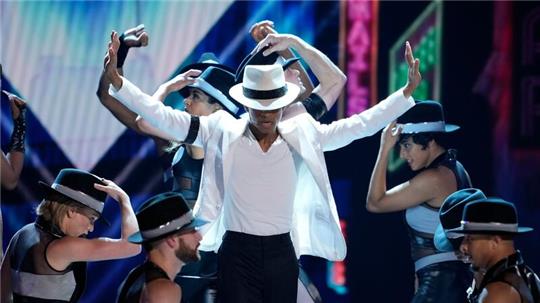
[{"x": 55, "y": 211}]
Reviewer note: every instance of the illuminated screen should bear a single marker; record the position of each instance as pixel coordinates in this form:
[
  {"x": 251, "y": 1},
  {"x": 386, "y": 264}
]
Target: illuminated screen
[{"x": 425, "y": 36}]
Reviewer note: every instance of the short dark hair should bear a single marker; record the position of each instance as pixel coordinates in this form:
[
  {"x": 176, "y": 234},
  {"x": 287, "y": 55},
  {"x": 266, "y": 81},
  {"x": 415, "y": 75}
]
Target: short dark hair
[
  {"x": 211, "y": 98},
  {"x": 424, "y": 138}
]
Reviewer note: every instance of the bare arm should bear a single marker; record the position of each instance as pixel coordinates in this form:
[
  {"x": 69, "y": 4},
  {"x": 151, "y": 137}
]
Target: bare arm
[
  {"x": 430, "y": 185},
  {"x": 67, "y": 250},
  {"x": 119, "y": 111},
  {"x": 12, "y": 163},
  {"x": 331, "y": 79},
  {"x": 136, "y": 37},
  {"x": 162, "y": 291},
  {"x": 499, "y": 292},
  {"x": 6, "y": 293}
]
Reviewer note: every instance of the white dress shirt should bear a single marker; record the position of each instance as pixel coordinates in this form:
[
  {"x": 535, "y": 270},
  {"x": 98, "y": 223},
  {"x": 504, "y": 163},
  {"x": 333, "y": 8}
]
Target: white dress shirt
[
  {"x": 316, "y": 228},
  {"x": 260, "y": 195}
]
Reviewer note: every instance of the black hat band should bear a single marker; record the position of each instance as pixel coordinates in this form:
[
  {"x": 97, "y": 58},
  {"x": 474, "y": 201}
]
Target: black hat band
[
  {"x": 170, "y": 226},
  {"x": 79, "y": 197},
  {"x": 265, "y": 94}
]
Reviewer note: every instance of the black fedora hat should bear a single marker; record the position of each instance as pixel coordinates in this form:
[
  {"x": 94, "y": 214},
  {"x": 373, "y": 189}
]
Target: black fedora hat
[
  {"x": 163, "y": 215},
  {"x": 205, "y": 61},
  {"x": 77, "y": 185},
  {"x": 216, "y": 82},
  {"x": 425, "y": 116},
  {"x": 490, "y": 216},
  {"x": 257, "y": 58},
  {"x": 450, "y": 215}
]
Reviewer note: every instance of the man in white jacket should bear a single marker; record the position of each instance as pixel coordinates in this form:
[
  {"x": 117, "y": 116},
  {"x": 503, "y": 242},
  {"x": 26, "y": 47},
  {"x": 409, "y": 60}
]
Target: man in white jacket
[{"x": 265, "y": 186}]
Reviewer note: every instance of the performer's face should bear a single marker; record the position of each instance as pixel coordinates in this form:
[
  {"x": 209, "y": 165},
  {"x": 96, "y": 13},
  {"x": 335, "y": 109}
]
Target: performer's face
[
  {"x": 264, "y": 121},
  {"x": 479, "y": 249},
  {"x": 79, "y": 223},
  {"x": 416, "y": 156},
  {"x": 293, "y": 75},
  {"x": 197, "y": 103},
  {"x": 188, "y": 244}
]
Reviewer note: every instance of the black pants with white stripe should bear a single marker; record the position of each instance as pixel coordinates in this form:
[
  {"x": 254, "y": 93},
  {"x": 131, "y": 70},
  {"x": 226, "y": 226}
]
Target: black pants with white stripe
[{"x": 257, "y": 269}]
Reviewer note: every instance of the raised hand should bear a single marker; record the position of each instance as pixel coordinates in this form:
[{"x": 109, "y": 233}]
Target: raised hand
[
  {"x": 110, "y": 61},
  {"x": 17, "y": 104},
  {"x": 390, "y": 136},
  {"x": 113, "y": 190},
  {"x": 277, "y": 43},
  {"x": 135, "y": 37},
  {"x": 261, "y": 29},
  {"x": 182, "y": 80},
  {"x": 413, "y": 74}
]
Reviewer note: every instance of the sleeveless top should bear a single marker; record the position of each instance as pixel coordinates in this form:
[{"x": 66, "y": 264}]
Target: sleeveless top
[
  {"x": 423, "y": 219},
  {"x": 182, "y": 173},
  {"x": 513, "y": 271},
  {"x": 32, "y": 278},
  {"x": 131, "y": 288}
]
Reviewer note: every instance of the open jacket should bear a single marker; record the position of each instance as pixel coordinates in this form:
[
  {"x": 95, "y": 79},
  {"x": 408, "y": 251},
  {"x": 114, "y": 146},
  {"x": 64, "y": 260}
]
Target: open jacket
[{"x": 315, "y": 224}]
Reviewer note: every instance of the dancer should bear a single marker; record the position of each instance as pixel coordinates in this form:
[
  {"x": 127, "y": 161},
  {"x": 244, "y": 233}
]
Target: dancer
[
  {"x": 12, "y": 163},
  {"x": 420, "y": 133},
  {"x": 263, "y": 209},
  {"x": 170, "y": 238},
  {"x": 489, "y": 226},
  {"x": 46, "y": 260},
  {"x": 204, "y": 91}
]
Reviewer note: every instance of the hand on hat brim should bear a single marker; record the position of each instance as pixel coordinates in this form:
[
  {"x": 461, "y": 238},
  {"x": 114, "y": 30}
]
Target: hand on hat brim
[{"x": 114, "y": 191}]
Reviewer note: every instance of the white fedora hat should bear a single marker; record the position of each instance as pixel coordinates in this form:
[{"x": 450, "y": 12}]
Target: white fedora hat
[{"x": 264, "y": 88}]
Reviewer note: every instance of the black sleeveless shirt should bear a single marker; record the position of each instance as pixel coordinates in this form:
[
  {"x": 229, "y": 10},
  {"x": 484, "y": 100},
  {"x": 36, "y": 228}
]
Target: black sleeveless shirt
[
  {"x": 32, "y": 278},
  {"x": 184, "y": 176},
  {"x": 421, "y": 243},
  {"x": 131, "y": 288},
  {"x": 513, "y": 271}
]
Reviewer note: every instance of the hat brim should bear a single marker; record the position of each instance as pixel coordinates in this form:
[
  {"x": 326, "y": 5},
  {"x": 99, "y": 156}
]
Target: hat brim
[
  {"x": 265, "y": 104},
  {"x": 442, "y": 241},
  {"x": 448, "y": 128},
  {"x": 461, "y": 231},
  {"x": 184, "y": 92},
  {"x": 210, "y": 90},
  {"x": 289, "y": 62},
  {"x": 204, "y": 65},
  {"x": 137, "y": 237},
  {"x": 49, "y": 190}
]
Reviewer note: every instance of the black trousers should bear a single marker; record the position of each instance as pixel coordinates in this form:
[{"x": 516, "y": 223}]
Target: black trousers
[{"x": 253, "y": 269}]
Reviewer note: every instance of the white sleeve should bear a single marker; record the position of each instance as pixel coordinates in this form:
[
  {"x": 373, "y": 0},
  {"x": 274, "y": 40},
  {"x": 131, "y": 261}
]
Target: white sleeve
[
  {"x": 174, "y": 123},
  {"x": 342, "y": 132}
]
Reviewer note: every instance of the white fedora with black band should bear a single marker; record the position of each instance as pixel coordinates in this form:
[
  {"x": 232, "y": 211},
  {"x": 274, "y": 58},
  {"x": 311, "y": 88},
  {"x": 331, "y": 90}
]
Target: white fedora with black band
[{"x": 264, "y": 88}]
